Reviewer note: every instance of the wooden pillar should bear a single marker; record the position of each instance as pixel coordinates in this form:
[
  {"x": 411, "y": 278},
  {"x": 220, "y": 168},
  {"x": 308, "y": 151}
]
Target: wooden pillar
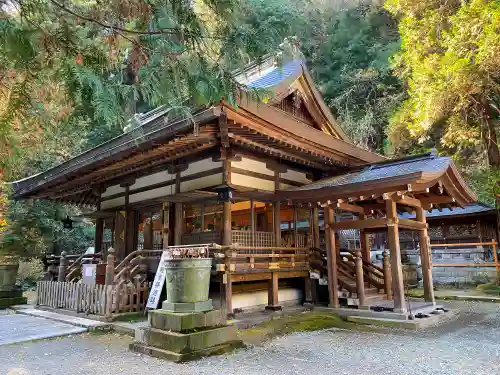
[
  {"x": 331, "y": 256},
  {"x": 131, "y": 227},
  {"x": 63, "y": 266},
  {"x": 316, "y": 240},
  {"x": 252, "y": 221},
  {"x": 99, "y": 229},
  {"x": 202, "y": 217},
  {"x": 165, "y": 225},
  {"x": 147, "y": 232},
  {"x": 179, "y": 224},
  {"x": 226, "y": 285},
  {"x": 365, "y": 242},
  {"x": 360, "y": 282},
  {"x": 425, "y": 258},
  {"x": 295, "y": 230},
  {"x": 226, "y": 224},
  {"x": 387, "y": 275},
  {"x": 277, "y": 224},
  {"x": 396, "y": 265},
  {"x": 272, "y": 294},
  {"x": 110, "y": 268},
  {"x": 119, "y": 234}
]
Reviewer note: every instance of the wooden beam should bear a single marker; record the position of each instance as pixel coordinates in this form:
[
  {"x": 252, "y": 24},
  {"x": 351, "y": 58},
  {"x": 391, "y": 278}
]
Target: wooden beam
[
  {"x": 411, "y": 224},
  {"x": 359, "y": 224},
  {"x": 351, "y": 208},
  {"x": 407, "y": 201},
  {"x": 436, "y": 199}
]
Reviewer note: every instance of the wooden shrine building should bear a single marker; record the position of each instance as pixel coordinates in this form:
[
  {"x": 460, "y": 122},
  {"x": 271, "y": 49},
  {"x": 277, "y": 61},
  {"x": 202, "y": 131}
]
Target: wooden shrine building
[{"x": 239, "y": 173}]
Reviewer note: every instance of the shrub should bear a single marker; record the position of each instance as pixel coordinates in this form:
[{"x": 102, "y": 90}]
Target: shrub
[{"x": 30, "y": 271}]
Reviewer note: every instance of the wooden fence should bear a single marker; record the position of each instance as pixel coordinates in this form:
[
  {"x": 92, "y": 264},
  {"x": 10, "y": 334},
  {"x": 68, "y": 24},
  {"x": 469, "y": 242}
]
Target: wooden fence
[{"x": 93, "y": 299}]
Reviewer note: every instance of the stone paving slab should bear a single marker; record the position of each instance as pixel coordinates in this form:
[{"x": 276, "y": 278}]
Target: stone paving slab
[
  {"x": 72, "y": 320},
  {"x": 16, "y": 328}
]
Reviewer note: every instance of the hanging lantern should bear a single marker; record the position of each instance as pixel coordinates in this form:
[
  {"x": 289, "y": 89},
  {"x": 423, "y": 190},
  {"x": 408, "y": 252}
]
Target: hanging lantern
[
  {"x": 67, "y": 223},
  {"x": 224, "y": 194}
]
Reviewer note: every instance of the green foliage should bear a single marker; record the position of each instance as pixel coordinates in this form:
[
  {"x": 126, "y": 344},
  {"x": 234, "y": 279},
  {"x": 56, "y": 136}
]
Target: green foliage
[
  {"x": 486, "y": 184},
  {"x": 450, "y": 60},
  {"x": 30, "y": 271},
  {"x": 349, "y": 59},
  {"x": 347, "y": 51},
  {"x": 35, "y": 228}
]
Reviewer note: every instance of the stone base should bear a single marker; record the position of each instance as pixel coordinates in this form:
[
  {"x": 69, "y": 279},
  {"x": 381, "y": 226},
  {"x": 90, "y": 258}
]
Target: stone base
[
  {"x": 182, "y": 322},
  {"x": 184, "y": 357},
  {"x": 11, "y": 293},
  {"x": 273, "y": 308},
  {"x": 187, "y": 307},
  {"x": 185, "y": 342},
  {"x": 185, "y": 336},
  {"x": 11, "y": 298}
]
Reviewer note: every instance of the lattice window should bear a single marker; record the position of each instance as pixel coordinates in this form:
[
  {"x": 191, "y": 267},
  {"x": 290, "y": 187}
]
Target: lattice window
[{"x": 244, "y": 238}]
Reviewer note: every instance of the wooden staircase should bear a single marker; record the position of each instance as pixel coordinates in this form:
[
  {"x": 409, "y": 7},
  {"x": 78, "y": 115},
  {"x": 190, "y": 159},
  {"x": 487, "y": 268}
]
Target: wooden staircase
[{"x": 374, "y": 278}]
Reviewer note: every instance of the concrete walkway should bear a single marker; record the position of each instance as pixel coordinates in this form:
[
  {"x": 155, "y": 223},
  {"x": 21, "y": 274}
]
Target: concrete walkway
[
  {"x": 89, "y": 324},
  {"x": 16, "y": 328}
]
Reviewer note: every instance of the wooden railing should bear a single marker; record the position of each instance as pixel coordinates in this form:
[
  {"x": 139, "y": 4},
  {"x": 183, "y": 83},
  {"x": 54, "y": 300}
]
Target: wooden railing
[
  {"x": 373, "y": 274},
  {"x": 253, "y": 259},
  {"x": 492, "y": 244},
  {"x": 74, "y": 271},
  {"x": 93, "y": 299}
]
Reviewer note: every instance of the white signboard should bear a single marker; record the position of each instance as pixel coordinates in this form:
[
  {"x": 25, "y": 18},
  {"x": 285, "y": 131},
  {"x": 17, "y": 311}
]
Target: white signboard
[{"x": 155, "y": 292}]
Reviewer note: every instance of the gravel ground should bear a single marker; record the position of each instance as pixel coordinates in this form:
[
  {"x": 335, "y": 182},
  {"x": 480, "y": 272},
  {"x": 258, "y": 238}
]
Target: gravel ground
[{"x": 468, "y": 345}]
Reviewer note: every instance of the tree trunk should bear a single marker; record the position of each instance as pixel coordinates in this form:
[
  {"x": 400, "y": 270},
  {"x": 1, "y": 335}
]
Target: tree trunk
[{"x": 489, "y": 136}]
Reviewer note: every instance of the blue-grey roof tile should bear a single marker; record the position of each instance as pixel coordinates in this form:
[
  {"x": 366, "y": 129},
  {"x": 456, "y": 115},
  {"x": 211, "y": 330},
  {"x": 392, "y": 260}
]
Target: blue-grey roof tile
[
  {"x": 474, "y": 208},
  {"x": 277, "y": 75},
  {"x": 423, "y": 163}
]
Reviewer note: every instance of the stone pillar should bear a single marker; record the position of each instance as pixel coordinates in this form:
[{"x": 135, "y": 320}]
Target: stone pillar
[
  {"x": 331, "y": 251},
  {"x": 396, "y": 265},
  {"x": 425, "y": 257}
]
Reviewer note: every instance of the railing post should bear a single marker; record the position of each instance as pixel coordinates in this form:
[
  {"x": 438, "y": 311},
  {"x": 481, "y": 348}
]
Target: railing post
[
  {"x": 387, "y": 275},
  {"x": 63, "y": 264},
  {"x": 110, "y": 267},
  {"x": 360, "y": 282}
]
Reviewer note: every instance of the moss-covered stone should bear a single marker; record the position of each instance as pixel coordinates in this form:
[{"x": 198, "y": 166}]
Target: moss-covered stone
[
  {"x": 187, "y": 342},
  {"x": 11, "y": 301},
  {"x": 184, "y": 357},
  {"x": 182, "y": 322}
]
